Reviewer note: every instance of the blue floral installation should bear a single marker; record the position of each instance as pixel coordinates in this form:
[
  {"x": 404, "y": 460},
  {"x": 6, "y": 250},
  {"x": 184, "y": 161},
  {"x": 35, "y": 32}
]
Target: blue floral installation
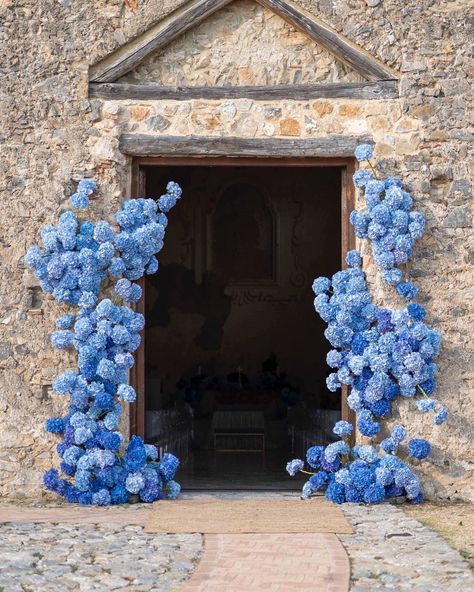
[
  {"x": 381, "y": 354},
  {"x": 77, "y": 257}
]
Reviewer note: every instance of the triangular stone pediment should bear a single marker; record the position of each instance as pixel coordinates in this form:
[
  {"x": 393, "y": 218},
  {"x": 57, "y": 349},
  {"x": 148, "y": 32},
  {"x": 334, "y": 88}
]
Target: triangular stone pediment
[
  {"x": 257, "y": 48},
  {"x": 244, "y": 43}
]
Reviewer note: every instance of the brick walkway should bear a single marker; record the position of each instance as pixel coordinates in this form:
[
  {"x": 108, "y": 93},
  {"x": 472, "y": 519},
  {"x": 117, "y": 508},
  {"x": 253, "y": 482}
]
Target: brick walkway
[{"x": 271, "y": 563}]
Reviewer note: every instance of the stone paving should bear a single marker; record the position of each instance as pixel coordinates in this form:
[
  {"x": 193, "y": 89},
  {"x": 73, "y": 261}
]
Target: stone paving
[
  {"x": 84, "y": 557},
  {"x": 72, "y": 548},
  {"x": 391, "y": 551}
]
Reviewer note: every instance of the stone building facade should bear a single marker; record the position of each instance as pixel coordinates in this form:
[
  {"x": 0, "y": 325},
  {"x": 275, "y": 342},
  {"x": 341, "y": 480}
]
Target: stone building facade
[{"x": 53, "y": 133}]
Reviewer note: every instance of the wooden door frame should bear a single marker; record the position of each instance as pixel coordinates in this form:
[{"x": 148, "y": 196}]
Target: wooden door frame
[{"x": 139, "y": 164}]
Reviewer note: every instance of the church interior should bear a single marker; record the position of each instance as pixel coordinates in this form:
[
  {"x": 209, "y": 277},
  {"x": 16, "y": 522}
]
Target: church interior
[{"x": 235, "y": 354}]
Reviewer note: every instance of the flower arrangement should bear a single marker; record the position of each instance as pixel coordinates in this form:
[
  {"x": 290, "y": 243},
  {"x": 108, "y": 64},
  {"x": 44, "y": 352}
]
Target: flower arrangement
[
  {"x": 380, "y": 353},
  {"x": 77, "y": 257}
]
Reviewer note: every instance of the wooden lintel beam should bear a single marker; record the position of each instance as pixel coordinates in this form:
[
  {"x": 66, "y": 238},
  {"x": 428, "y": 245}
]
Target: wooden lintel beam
[
  {"x": 383, "y": 89},
  {"x": 148, "y": 145}
]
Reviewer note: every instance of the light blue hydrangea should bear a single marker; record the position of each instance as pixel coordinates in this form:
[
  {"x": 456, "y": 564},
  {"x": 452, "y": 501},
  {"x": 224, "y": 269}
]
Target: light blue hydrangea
[{"x": 363, "y": 152}]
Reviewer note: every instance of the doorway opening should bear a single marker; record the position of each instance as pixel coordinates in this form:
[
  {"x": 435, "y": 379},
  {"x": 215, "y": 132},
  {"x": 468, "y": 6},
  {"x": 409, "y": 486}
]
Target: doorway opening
[{"x": 231, "y": 374}]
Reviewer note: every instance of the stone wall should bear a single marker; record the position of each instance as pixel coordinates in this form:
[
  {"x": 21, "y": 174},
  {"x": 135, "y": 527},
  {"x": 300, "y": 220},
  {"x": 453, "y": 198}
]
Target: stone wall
[
  {"x": 52, "y": 135},
  {"x": 244, "y": 43}
]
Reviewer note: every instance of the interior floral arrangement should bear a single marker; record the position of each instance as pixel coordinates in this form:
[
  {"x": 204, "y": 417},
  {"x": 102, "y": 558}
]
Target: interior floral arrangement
[
  {"x": 247, "y": 388},
  {"x": 379, "y": 353},
  {"x": 78, "y": 257}
]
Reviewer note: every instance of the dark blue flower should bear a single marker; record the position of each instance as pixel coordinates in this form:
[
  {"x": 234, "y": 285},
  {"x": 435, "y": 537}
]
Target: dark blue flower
[
  {"x": 336, "y": 493},
  {"x": 313, "y": 456},
  {"x": 419, "y": 448}
]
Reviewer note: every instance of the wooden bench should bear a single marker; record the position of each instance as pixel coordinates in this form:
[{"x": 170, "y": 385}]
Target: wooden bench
[{"x": 239, "y": 431}]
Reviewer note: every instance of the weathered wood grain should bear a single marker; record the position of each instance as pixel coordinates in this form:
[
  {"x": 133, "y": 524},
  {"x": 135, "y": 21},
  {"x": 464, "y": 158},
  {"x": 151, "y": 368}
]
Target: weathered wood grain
[
  {"x": 384, "y": 89},
  {"x": 346, "y": 51},
  {"x": 147, "y": 145},
  {"x": 191, "y": 14},
  {"x": 131, "y": 54}
]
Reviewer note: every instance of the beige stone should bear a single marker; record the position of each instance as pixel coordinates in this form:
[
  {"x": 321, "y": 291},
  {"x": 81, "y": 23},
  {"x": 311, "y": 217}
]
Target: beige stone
[
  {"x": 139, "y": 113},
  {"x": 323, "y": 108},
  {"x": 290, "y": 127}
]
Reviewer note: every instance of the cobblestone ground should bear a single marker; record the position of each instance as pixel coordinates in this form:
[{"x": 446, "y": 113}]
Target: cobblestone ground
[
  {"x": 388, "y": 551},
  {"x": 391, "y": 551},
  {"x": 53, "y": 557}
]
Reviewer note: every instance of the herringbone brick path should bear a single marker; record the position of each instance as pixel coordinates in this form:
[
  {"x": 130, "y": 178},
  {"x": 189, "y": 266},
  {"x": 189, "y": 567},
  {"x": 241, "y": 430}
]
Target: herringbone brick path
[{"x": 271, "y": 563}]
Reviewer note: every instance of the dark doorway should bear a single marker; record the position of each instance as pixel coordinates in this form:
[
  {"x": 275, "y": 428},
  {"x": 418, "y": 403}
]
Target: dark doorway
[{"x": 234, "y": 358}]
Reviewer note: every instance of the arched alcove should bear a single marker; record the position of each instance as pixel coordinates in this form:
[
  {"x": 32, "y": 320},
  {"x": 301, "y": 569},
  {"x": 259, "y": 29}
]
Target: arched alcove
[{"x": 243, "y": 218}]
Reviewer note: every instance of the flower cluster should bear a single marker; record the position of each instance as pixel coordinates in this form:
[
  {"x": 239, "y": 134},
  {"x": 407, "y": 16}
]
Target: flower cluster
[
  {"x": 70, "y": 262},
  {"x": 379, "y": 353},
  {"x": 361, "y": 474},
  {"x": 389, "y": 222},
  {"x": 76, "y": 258}
]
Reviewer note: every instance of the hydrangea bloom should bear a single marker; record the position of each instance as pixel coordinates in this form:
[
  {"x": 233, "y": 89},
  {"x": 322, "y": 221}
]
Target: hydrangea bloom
[
  {"x": 343, "y": 428},
  {"x": 294, "y": 466},
  {"x": 75, "y": 259},
  {"x": 363, "y": 152},
  {"x": 379, "y": 353},
  {"x": 419, "y": 448},
  {"x": 441, "y": 416}
]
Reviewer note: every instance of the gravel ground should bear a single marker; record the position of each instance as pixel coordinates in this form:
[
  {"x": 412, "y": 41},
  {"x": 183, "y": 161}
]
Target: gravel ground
[
  {"x": 84, "y": 557},
  {"x": 453, "y": 521},
  {"x": 391, "y": 551}
]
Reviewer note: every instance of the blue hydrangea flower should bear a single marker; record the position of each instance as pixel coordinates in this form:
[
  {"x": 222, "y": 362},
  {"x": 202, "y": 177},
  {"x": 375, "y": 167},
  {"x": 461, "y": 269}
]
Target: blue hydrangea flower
[
  {"x": 362, "y": 177},
  {"x": 126, "y": 393},
  {"x": 313, "y": 456},
  {"x": 79, "y": 201},
  {"x": 343, "y": 428},
  {"x": 399, "y": 433},
  {"x": 374, "y": 494},
  {"x": 354, "y": 259},
  {"x": 87, "y": 186},
  {"x": 65, "y": 322},
  {"x": 363, "y": 152},
  {"x": 55, "y": 425},
  {"x": 168, "y": 466},
  {"x": 317, "y": 480},
  {"x": 389, "y": 445},
  {"x": 419, "y": 448},
  {"x": 62, "y": 339},
  {"x": 294, "y": 466},
  {"x": 335, "y": 493},
  {"x": 321, "y": 285},
  {"x": 172, "y": 490},
  {"x": 425, "y": 405},
  {"x": 441, "y": 416},
  {"x": 134, "y": 482},
  {"x": 407, "y": 290},
  {"x": 335, "y": 449},
  {"x": 368, "y": 427}
]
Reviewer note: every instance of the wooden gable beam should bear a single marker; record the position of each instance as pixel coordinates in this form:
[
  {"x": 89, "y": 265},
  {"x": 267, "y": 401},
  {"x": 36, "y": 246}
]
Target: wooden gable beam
[
  {"x": 132, "y": 53},
  {"x": 116, "y": 91},
  {"x": 346, "y": 51},
  {"x": 193, "y": 12}
]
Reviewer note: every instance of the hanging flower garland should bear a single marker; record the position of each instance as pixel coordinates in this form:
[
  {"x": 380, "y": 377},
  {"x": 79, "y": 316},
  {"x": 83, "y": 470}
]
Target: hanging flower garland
[
  {"x": 380, "y": 353},
  {"x": 77, "y": 258}
]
